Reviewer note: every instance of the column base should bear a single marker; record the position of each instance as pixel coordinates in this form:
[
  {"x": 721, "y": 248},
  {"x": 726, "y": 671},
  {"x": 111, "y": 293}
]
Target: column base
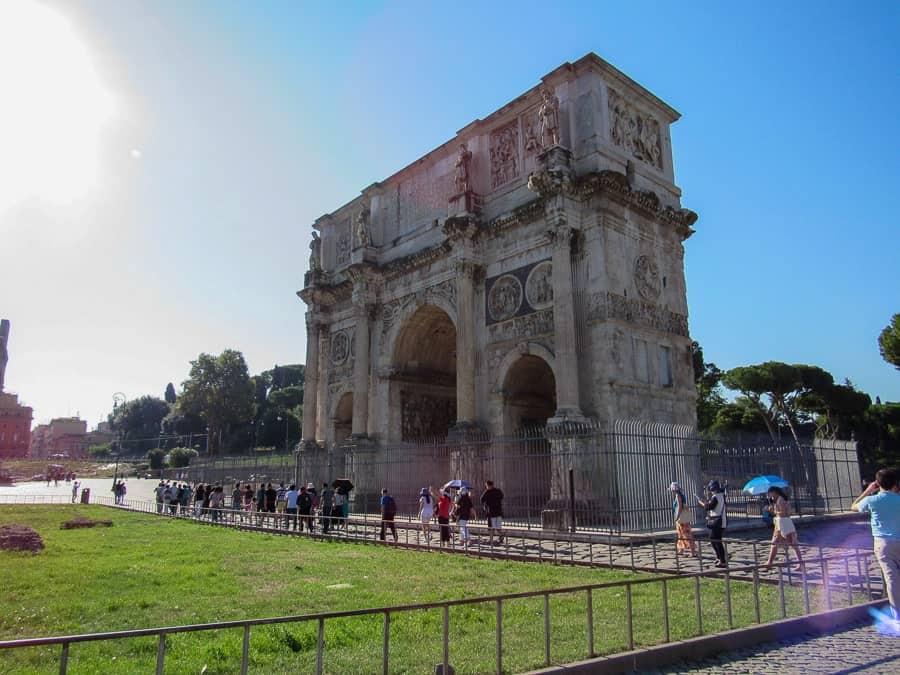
[
  {"x": 568, "y": 416},
  {"x": 464, "y": 431}
]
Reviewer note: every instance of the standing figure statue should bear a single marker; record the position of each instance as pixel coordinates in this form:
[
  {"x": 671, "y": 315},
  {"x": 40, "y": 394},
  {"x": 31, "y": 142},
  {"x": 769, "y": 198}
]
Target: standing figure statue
[
  {"x": 315, "y": 253},
  {"x": 463, "y": 158},
  {"x": 4, "y": 352},
  {"x": 362, "y": 230},
  {"x": 549, "y": 118}
]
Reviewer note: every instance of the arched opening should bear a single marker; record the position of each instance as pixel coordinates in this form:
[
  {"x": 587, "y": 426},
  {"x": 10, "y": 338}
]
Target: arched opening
[
  {"x": 343, "y": 418},
  {"x": 425, "y": 374},
  {"x": 530, "y": 390}
]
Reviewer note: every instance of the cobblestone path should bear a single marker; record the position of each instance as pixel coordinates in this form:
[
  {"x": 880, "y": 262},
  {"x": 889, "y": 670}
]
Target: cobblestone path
[{"x": 858, "y": 649}]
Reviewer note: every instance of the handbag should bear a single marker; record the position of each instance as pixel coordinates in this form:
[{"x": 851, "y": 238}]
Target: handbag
[{"x": 713, "y": 522}]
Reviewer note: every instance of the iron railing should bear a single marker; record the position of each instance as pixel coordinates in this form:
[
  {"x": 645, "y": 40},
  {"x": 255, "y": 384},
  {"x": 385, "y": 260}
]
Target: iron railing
[
  {"x": 838, "y": 589},
  {"x": 572, "y": 475}
]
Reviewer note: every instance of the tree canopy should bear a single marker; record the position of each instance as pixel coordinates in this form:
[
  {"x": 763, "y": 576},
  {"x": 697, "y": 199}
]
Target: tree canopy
[
  {"x": 138, "y": 423},
  {"x": 170, "y": 396},
  {"x": 218, "y": 389},
  {"x": 889, "y": 342}
]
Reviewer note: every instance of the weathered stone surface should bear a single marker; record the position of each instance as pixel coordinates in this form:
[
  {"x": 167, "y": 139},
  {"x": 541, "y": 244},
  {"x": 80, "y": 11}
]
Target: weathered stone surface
[{"x": 20, "y": 538}]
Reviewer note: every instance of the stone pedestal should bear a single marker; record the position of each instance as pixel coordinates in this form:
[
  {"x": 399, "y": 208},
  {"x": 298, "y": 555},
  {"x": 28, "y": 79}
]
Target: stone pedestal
[{"x": 464, "y": 203}]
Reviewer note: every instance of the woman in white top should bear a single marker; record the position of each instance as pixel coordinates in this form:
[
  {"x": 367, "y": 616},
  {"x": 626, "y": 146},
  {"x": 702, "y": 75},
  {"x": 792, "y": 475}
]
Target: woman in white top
[
  {"x": 426, "y": 510},
  {"x": 785, "y": 532}
]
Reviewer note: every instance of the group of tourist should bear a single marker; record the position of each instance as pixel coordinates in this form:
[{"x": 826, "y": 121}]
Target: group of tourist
[
  {"x": 777, "y": 505},
  {"x": 444, "y": 507}
]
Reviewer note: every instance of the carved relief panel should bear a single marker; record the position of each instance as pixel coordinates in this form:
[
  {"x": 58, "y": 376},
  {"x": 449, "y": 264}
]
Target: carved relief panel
[
  {"x": 522, "y": 291},
  {"x": 646, "y": 278},
  {"x": 341, "y": 355},
  {"x": 424, "y": 416},
  {"x": 635, "y": 132},
  {"x": 504, "y": 154}
]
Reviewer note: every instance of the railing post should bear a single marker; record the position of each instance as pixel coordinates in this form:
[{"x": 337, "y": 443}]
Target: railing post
[
  {"x": 697, "y": 605},
  {"x": 826, "y": 585},
  {"x": 728, "y": 599},
  {"x": 64, "y": 659},
  {"x": 665, "y": 599},
  {"x": 245, "y": 650},
  {"x": 630, "y": 619},
  {"x": 847, "y": 579},
  {"x": 446, "y": 636},
  {"x": 756, "y": 594},
  {"x": 161, "y": 654},
  {"x": 320, "y": 648},
  {"x": 385, "y": 653},
  {"x": 590, "y": 622},
  {"x": 547, "y": 629},
  {"x": 781, "y": 592},
  {"x": 499, "y": 628}
]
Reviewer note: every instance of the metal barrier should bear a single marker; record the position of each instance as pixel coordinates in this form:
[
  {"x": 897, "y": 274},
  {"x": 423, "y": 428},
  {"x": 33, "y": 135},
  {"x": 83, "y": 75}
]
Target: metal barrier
[{"x": 831, "y": 586}]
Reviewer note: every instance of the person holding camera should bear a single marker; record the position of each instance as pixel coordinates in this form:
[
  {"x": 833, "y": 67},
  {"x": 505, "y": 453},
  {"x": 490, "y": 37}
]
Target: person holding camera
[{"x": 716, "y": 519}]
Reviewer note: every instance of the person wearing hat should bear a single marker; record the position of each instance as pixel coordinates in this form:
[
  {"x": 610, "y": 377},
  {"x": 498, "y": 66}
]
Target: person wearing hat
[
  {"x": 426, "y": 511},
  {"x": 716, "y": 519},
  {"x": 684, "y": 519}
]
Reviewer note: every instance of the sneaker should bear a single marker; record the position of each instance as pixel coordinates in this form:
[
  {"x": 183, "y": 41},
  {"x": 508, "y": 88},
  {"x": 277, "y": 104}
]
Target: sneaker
[{"x": 720, "y": 563}]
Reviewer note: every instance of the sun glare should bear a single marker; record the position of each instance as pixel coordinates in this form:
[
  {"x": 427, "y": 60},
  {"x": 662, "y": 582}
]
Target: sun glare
[{"x": 54, "y": 107}]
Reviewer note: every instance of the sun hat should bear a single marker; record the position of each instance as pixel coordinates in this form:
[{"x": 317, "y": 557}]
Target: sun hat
[
  {"x": 463, "y": 490},
  {"x": 423, "y": 491},
  {"x": 674, "y": 486},
  {"x": 713, "y": 486}
]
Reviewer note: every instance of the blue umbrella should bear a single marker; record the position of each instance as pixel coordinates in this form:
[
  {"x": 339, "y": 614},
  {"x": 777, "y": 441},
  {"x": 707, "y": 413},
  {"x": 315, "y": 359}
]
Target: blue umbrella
[
  {"x": 456, "y": 483},
  {"x": 761, "y": 484}
]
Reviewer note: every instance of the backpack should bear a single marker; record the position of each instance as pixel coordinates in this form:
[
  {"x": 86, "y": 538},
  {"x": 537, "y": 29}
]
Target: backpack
[{"x": 390, "y": 507}]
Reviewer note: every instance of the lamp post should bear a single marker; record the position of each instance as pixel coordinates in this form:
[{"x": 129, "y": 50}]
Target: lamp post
[{"x": 286, "y": 422}]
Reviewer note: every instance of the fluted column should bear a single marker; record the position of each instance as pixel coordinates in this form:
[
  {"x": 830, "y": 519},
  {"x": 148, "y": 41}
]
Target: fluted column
[
  {"x": 322, "y": 390},
  {"x": 311, "y": 380},
  {"x": 361, "y": 371},
  {"x": 567, "y": 396},
  {"x": 466, "y": 275}
]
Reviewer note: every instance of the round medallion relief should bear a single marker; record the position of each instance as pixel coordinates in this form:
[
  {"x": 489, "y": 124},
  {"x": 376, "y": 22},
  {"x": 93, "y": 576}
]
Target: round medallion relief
[
  {"x": 646, "y": 278},
  {"x": 539, "y": 286},
  {"x": 340, "y": 348},
  {"x": 505, "y": 298}
]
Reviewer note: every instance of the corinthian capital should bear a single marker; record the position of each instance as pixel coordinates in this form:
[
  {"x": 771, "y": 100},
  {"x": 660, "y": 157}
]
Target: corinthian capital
[
  {"x": 469, "y": 270},
  {"x": 561, "y": 237}
]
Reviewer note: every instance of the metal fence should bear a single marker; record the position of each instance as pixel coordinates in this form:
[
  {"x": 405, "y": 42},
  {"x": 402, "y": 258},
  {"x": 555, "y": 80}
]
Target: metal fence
[
  {"x": 583, "y": 476},
  {"x": 839, "y": 588}
]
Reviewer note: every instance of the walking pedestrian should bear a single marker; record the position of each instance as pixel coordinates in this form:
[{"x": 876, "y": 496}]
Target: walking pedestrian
[
  {"x": 684, "y": 520},
  {"x": 337, "y": 510},
  {"x": 785, "y": 532},
  {"x": 75, "y": 487},
  {"x": 426, "y": 511},
  {"x": 271, "y": 497},
  {"x": 882, "y": 500},
  {"x": 326, "y": 504},
  {"x": 304, "y": 507},
  {"x": 261, "y": 502},
  {"x": 290, "y": 508},
  {"x": 199, "y": 497},
  {"x": 444, "y": 506},
  {"x": 465, "y": 511},
  {"x": 237, "y": 499},
  {"x": 716, "y": 520},
  {"x": 492, "y": 501},
  {"x": 280, "y": 502},
  {"x": 388, "y": 512}
]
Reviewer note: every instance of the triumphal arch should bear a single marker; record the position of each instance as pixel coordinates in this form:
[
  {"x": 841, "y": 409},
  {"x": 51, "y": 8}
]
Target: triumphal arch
[{"x": 529, "y": 271}]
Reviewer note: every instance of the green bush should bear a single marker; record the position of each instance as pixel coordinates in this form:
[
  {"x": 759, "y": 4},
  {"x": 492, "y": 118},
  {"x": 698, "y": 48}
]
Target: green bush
[
  {"x": 181, "y": 457},
  {"x": 157, "y": 458},
  {"x": 99, "y": 451}
]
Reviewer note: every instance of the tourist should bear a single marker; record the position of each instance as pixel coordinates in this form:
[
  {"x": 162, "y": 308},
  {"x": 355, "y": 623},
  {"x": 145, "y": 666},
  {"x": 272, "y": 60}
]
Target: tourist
[
  {"x": 785, "y": 532},
  {"x": 247, "y": 503},
  {"x": 444, "y": 505},
  {"x": 426, "y": 511},
  {"x": 237, "y": 500},
  {"x": 271, "y": 498},
  {"x": 75, "y": 486},
  {"x": 199, "y": 496},
  {"x": 326, "y": 504},
  {"x": 388, "y": 511},
  {"x": 304, "y": 508},
  {"x": 216, "y": 502},
  {"x": 207, "y": 497},
  {"x": 185, "y": 497},
  {"x": 882, "y": 500},
  {"x": 160, "y": 496},
  {"x": 290, "y": 507},
  {"x": 261, "y": 502},
  {"x": 337, "y": 510},
  {"x": 716, "y": 520},
  {"x": 316, "y": 502},
  {"x": 684, "y": 521},
  {"x": 492, "y": 501},
  {"x": 280, "y": 502},
  {"x": 465, "y": 511}
]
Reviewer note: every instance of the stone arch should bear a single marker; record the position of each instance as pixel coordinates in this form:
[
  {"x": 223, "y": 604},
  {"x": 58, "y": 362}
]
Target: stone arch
[
  {"x": 423, "y": 374},
  {"x": 341, "y": 419},
  {"x": 527, "y": 383},
  {"x": 401, "y": 313}
]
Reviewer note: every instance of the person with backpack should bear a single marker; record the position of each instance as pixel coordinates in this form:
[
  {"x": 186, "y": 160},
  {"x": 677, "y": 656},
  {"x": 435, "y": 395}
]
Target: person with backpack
[
  {"x": 325, "y": 506},
  {"x": 281, "y": 504},
  {"x": 465, "y": 511},
  {"x": 304, "y": 506},
  {"x": 388, "y": 511},
  {"x": 716, "y": 520}
]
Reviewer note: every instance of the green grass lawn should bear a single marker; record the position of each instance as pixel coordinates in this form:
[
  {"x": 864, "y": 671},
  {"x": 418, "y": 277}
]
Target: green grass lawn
[{"x": 147, "y": 571}]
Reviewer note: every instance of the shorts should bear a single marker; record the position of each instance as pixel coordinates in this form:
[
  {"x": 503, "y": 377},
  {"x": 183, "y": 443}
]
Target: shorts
[
  {"x": 427, "y": 516},
  {"x": 495, "y": 522},
  {"x": 280, "y": 506}
]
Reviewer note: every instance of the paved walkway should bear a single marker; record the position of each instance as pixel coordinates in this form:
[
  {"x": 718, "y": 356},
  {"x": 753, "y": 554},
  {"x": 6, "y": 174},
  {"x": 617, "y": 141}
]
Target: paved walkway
[{"x": 857, "y": 649}]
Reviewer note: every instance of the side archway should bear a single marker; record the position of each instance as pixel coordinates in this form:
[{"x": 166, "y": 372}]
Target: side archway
[{"x": 527, "y": 382}]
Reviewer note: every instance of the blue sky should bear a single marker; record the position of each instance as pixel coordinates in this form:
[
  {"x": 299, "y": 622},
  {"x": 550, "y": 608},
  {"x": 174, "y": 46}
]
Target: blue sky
[{"x": 236, "y": 124}]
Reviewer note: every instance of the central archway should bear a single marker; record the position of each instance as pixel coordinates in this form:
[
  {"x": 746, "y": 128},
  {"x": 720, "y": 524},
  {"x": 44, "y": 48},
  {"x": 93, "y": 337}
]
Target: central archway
[
  {"x": 424, "y": 364},
  {"x": 530, "y": 393}
]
